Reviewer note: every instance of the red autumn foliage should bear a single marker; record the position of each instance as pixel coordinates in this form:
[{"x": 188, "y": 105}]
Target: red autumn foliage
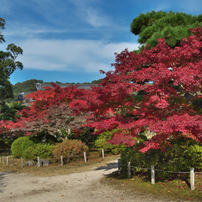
[
  {"x": 49, "y": 112},
  {"x": 173, "y": 73},
  {"x": 165, "y": 108}
]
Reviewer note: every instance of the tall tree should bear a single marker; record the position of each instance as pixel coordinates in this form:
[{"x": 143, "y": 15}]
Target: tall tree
[
  {"x": 163, "y": 108},
  {"x": 171, "y": 26},
  {"x": 8, "y": 65}
]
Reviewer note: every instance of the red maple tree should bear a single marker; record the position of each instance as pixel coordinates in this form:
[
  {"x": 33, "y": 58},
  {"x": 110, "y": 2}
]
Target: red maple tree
[
  {"x": 154, "y": 90},
  {"x": 49, "y": 112},
  {"x": 169, "y": 80}
]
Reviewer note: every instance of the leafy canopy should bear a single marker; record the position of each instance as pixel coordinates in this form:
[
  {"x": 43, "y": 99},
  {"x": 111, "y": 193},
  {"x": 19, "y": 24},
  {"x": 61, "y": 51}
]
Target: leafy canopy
[
  {"x": 8, "y": 65},
  {"x": 171, "y": 26},
  {"x": 163, "y": 107}
]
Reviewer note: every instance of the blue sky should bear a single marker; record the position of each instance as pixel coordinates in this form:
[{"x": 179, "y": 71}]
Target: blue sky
[{"x": 71, "y": 40}]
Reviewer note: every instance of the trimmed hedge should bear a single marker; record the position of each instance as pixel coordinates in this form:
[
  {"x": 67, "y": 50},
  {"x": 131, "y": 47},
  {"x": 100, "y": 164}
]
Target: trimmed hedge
[
  {"x": 19, "y": 145},
  {"x": 43, "y": 151}
]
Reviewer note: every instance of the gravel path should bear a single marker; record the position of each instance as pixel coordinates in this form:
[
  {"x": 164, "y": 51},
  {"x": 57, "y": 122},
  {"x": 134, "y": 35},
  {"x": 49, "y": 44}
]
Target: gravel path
[{"x": 77, "y": 187}]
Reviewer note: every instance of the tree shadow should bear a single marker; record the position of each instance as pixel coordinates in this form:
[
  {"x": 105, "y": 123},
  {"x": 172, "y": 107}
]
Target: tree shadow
[
  {"x": 109, "y": 166},
  {"x": 2, "y": 184}
]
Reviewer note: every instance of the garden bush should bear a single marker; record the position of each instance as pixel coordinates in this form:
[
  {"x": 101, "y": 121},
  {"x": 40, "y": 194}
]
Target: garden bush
[
  {"x": 70, "y": 149},
  {"x": 43, "y": 151},
  {"x": 19, "y": 145},
  {"x": 184, "y": 154},
  {"x": 102, "y": 143}
]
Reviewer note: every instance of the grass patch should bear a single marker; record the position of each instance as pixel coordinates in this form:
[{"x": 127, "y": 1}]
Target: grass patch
[
  {"x": 94, "y": 160},
  {"x": 174, "y": 189}
]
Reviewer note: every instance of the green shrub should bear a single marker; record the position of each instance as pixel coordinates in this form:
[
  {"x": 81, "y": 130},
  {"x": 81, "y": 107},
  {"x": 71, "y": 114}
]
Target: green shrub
[
  {"x": 102, "y": 143},
  {"x": 19, "y": 145},
  {"x": 183, "y": 155},
  {"x": 43, "y": 151},
  {"x": 70, "y": 149}
]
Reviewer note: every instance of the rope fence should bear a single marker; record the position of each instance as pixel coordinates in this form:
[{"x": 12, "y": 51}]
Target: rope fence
[{"x": 191, "y": 172}]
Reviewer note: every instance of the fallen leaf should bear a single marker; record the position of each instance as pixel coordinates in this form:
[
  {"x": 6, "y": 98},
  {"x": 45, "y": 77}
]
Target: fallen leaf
[{"x": 62, "y": 195}]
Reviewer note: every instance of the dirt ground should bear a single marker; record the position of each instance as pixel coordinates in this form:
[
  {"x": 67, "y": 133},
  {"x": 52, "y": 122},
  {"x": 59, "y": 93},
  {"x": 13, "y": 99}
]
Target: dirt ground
[{"x": 77, "y": 187}]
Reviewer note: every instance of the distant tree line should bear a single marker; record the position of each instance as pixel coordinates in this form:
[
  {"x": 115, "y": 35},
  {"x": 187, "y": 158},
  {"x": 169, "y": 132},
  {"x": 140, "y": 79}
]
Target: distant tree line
[{"x": 29, "y": 85}]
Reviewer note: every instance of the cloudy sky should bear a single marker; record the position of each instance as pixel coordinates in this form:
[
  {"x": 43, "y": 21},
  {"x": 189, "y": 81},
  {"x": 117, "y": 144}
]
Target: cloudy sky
[{"x": 71, "y": 40}]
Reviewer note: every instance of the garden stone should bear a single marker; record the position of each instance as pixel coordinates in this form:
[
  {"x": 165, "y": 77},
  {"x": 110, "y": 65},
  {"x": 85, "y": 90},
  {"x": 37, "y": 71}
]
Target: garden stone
[
  {"x": 44, "y": 162},
  {"x": 30, "y": 163}
]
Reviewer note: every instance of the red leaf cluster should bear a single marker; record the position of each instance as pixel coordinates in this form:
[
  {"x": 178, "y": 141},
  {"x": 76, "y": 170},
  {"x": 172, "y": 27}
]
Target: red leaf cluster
[{"x": 163, "y": 76}]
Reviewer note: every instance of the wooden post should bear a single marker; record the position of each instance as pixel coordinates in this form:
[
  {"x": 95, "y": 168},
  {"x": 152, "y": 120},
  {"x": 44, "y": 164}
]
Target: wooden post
[
  {"x": 0, "y": 158},
  {"x": 119, "y": 166},
  {"x": 61, "y": 160},
  {"x": 21, "y": 162},
  {"x": 7, "y": 160},
  {"x": 3, "y": 159},
  {"x": 12, "y": 162},
  {"x": 152, "y": 174},
  {"x": 103, "y": 154},
  {"x": 38, "y": 162},
  {"x": 129, "y": 170},
  {"x": 192, "y": 178},
  {"x": 84, "y": 153}
]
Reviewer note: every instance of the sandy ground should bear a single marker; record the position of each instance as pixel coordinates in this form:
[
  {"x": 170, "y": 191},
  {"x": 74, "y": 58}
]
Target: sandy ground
[{"x": 77, "y": 187}]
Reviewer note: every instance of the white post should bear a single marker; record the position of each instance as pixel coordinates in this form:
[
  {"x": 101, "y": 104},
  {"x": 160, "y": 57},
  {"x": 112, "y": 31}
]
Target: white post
[
  {"x": 7, "y": 160},
  {"x": 119, "y": 166},
  {"x": 103, "y": 154},
  {"x": 152, "y": 174},
  {"x": 84, "y": 153},
  {"x": 61, "y": 160},
  {"x": 129, "y": 170},
  {"x": 192, "y": 178},
  {"x": 21, "y": 162},
  {"x": 38, "y": 161},
  {"x": 12, "y": 162},
  {"x": 3, "y": 159}
]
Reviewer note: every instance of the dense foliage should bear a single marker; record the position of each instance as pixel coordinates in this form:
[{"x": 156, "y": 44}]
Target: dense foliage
[
  {"x": 20, "y": 145},
  {"x": 184, "y": 154},
  {"x": 8, "y": 65},
  {"x": 69, "y": 149},
  {"x": 43, "y": 151},
  {"x": 126, "y": 101},
  {"x": 102, "y": 143},
  {"x": 167, "y": 105},
  {"x": 29, "y": 85},
  {"x": 171, "y": 26}
]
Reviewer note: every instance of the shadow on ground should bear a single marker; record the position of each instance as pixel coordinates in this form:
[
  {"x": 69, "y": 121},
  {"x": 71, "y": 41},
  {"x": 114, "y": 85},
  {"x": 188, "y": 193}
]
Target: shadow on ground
[
  {"x": 2, "y": 184},
  {"x": 109, "y": 166}
]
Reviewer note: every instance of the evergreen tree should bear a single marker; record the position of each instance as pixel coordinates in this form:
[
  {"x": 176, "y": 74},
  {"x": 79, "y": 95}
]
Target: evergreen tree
[{"x": 171, "y": 26}]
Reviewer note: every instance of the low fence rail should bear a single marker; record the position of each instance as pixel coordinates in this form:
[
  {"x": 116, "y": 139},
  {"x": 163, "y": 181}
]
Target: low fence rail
[
  {"x": 5, "y": 160},
  {"x": 191, "y": 172}
]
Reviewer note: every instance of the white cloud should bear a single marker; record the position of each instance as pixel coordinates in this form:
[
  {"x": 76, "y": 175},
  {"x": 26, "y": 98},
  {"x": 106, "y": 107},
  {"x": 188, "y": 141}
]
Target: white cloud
[
  {"x": 71, "y": 55},
  {"x": 88, "y": 11}
]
